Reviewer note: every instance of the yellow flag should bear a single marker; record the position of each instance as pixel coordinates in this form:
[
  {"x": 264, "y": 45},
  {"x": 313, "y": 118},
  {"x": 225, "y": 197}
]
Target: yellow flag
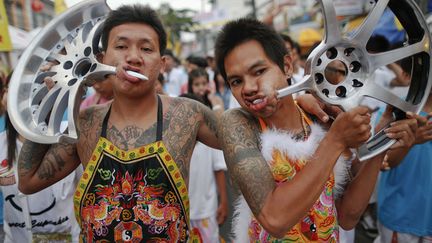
[
  {"x": 59, "y": 6},
  {"x": 5, "y": 41}
]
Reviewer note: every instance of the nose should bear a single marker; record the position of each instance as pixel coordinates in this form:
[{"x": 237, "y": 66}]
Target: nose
[
  {"x": 134, "y": 56},
  {"x": 250, "y": 87}
]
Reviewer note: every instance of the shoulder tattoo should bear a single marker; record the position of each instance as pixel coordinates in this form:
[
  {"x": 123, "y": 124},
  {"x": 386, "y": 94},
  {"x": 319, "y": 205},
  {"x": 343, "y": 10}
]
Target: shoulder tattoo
[{"x": 241, "y": 144}]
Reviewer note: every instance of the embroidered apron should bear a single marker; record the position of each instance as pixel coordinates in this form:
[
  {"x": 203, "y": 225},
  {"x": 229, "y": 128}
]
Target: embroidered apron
[
  {"x": 320, "y": 223},
  {"x": 132, "y": 196}
]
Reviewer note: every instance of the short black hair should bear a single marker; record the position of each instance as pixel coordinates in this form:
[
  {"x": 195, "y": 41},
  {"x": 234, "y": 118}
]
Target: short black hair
[
  {"x": 199, "y": 61},
  {"x": 169, "y": 52},
  {"x": 242, "y": 30},
  {"x": 134, "y": 14},
  {"x": 377, "y": 43}
]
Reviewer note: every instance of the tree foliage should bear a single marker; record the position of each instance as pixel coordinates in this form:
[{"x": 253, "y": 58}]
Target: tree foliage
[{"x": 176, "y": 21}]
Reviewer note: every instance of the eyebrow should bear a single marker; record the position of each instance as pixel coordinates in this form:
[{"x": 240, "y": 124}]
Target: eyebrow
[
  {"x": 251, "y": 67},
  {"x": 122, "y": 38}
]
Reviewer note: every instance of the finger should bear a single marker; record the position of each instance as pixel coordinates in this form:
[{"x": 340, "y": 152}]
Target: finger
[
  {"x": 332, "y": 110},
  {"x": 320, "y": 113},
  {"x": 361, "y": 119},
  {"x": 46, "y": 67},
  {"x": 404, "y": 124},
  {"x": 49, "y": 82},
  {"x": 362, "y": 110},
  {"x": 388, "y": 111}
]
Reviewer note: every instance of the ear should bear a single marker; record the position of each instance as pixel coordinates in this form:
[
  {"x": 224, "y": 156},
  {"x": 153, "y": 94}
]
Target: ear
[
  {"x": 288, "y": 66},
  {"x": 163, "y": 63}
]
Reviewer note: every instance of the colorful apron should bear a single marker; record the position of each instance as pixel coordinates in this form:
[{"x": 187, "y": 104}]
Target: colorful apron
[
  {"x": 132, "y": 196},
  {"x": 320, "y": 223}
]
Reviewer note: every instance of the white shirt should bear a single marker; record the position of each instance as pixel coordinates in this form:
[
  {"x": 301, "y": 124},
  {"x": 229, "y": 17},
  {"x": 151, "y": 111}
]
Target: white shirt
[
  {"x": 51, "y": 209},
  {"x": 202, "y": 184},
  {"x": 174, "y": 81}
]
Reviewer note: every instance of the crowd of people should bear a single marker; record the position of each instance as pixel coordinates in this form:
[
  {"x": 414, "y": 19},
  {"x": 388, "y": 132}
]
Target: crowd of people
[{"x": 155, "y": 158}]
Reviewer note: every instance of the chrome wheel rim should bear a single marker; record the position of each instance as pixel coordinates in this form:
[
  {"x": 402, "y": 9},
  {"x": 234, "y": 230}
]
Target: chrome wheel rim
[
  {"x": 72, "y": 41},
  {"x": 350, "y": 49}
]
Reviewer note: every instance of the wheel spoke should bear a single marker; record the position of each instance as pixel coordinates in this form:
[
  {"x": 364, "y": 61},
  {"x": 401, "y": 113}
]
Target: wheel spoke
[
  {"x": 59, "y": 57},
  {"x": 364, "y": 32},
  {"x": 62, "y": 30},
  {"x": 380, "y": 93},
  {"x": 331, "y": 25},
  {"x": 305, "y": 84},
  {"x": 46, "y": 105},
  {"x": 385, "y": 58},
  {"x": 57, "y": 112}
]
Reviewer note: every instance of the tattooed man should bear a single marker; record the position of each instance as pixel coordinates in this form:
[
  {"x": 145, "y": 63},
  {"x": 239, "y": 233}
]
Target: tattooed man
[
  {"x": 135, "y": 150},
  {"x": 279, "y": 156}
]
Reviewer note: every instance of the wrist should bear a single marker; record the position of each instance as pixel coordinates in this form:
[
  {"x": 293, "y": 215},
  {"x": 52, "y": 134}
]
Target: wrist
[
  {"x": 336, "y": 143},
  {"x": 217, "y": 107}
]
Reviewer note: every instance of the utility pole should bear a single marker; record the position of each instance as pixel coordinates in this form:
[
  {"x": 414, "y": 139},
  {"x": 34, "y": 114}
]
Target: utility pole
[
  {"x": 253, "y": 6},
  {"x": 254, "y": 10}
]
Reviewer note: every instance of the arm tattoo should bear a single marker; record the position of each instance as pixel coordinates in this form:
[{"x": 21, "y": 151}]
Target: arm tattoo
[
  {"x": 31, "y": 156},
  {"x": 44, "y": 159},
  {"x": 181, "y": 123},
  {"x": 240, "y": 142},
  {"x": 210, "y": 119},
  {"x": 90, "y": 121},
  {"x": 56, "y": 159}
]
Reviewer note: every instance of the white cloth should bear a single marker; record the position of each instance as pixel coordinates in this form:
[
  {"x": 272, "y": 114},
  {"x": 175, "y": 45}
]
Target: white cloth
[
  {"x": 174, "y": 81},
  {"x": 383, "y": 77},
  {"x": 51, "y": 209},
  {"x": 203, "y": 195},
  {"x": 346, "y": 236},
  {"x": 233, "y": 102},
  {"x": 298, "y": 76},
  {"x": 385, "y": 236}
]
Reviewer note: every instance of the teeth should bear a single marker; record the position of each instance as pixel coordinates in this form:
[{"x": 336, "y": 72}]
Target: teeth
[
  {"x": 257, "y": 101},
  {"x": 136, "y": 75}
]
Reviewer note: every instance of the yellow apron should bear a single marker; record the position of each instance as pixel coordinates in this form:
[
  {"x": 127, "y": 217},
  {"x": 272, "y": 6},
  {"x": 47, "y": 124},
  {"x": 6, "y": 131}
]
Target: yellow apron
[{"x": 132, "y": 196}]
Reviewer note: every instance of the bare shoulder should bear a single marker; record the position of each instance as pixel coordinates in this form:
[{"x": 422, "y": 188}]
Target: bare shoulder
[
  {"x": 239, "y": 137},
  {"x": 238, "y": 128},
  {"x": 188, "y": 112},
  {"x": 183, "y": 118},
  {"x": 89, "y": 126}
]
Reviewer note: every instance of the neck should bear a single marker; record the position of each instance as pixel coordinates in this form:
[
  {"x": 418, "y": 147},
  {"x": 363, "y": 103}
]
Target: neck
[
  {"x": 129, "y": 110},
  {"x": 287, "y": 117}
]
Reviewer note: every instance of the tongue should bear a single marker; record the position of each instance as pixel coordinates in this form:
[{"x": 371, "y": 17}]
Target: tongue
[
  {"x": 259, "y": 105},
  {"x": 131, "y": 78}
]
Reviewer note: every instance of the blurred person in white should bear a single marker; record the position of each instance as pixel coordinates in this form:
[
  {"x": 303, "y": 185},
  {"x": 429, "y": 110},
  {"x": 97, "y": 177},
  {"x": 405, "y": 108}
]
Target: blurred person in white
[
  {"x": 45, "y": 216},
  {"x": 207, "y": 168},
  {"x": 174, "y": 76}
]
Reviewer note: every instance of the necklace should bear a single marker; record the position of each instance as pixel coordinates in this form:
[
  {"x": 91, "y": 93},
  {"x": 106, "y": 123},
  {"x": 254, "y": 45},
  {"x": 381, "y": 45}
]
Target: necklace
[{"x": 303, "y": 122}]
